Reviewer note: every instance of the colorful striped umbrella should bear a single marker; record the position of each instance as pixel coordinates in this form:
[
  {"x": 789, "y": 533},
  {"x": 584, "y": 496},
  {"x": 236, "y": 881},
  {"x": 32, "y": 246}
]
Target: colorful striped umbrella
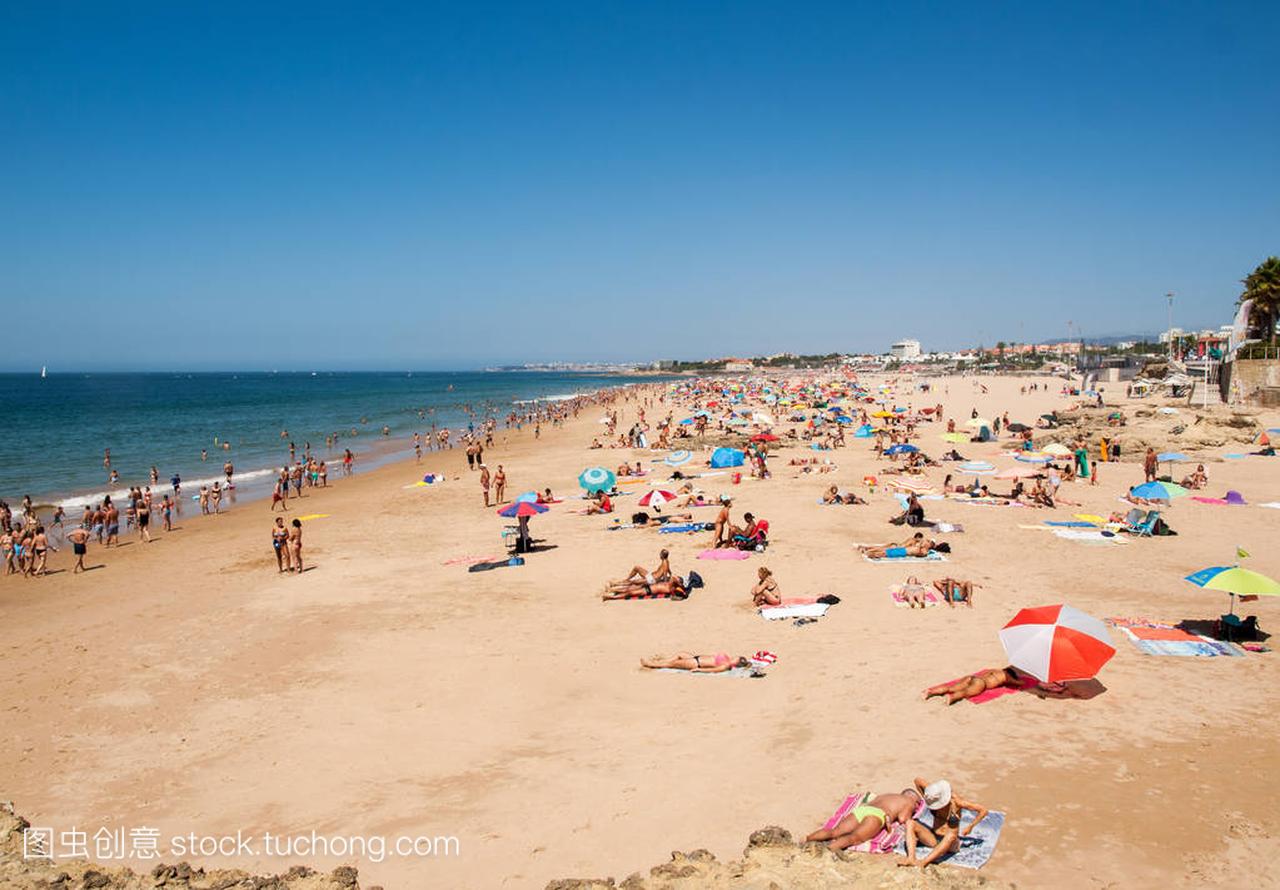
[
  {"x": 1057, "y": 450},
  {"x": 975, "y": 468},
  {"x": 678, "y": 458},
  {"x": 1057, "y": 643},
  {"x": 657, "y": 498},
  {"x": 522, "y": 508},
  {"x": 597, "y": 479},
  {"x": 1031, "y": 457}
]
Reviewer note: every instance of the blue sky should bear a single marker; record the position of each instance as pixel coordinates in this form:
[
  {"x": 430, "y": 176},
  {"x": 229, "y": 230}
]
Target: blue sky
[{"x": 225, "y": 185}]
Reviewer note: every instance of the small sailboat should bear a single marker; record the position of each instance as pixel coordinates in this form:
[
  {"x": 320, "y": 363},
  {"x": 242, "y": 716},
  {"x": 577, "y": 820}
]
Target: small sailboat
[{"x": 44, "y": 371}]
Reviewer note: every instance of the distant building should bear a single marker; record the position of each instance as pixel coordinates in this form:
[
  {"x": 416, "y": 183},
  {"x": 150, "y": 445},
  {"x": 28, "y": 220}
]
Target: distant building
[
  {"x": 905, "y": 349},
  {"x": 738, "y": 365}
]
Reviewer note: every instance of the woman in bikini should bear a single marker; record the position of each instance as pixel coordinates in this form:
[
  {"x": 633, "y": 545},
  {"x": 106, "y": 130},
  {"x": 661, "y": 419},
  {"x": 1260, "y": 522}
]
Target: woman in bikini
[
  {"x": 673, "y": 588},
  {"x": 765, "y": 592},
  {"x": 280, "y": 543},
  {"x": 295, "y": 547},
  {"x": 643, "y": 575},
  {"x": 976, "y": 684},
  {"x": 954, "y": 591},
  {"x": 703, "y": 664}
]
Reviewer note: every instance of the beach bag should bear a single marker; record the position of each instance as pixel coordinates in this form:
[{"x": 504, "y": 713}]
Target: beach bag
[{"x": 695, "y": 581}]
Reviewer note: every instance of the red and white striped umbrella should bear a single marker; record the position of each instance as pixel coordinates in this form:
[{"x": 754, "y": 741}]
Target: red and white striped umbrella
[
  {"x": 1056, "y": 643},
  {"x": 657, "y": 498}
]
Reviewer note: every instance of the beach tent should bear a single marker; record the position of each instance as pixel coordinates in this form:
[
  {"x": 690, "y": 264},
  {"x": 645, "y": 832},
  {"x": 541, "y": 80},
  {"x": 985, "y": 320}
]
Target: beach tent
[
  {"x": 726, "y": 457},
  {"x": 984, "y": 435},
  {"x": 863, "y": 432}
]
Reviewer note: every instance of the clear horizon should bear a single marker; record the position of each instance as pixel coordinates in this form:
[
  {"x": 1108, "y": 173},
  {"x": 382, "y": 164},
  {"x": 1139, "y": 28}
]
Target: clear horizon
[{"x": 442, "y": 187}]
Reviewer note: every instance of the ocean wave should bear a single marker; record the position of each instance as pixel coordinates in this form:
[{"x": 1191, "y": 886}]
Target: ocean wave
[{"x": 192, "y": 486}]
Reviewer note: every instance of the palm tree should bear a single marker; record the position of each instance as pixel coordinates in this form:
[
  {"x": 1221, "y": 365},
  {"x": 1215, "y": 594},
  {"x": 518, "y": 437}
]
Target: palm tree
[{"x": 1262, "y": 285}]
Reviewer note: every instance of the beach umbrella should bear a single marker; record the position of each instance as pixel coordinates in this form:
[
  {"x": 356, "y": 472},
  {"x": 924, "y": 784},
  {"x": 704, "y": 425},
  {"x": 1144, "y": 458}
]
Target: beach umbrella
[
  {"x": 844, "y": 418},
  {"x": 764, "y": 437},
  {"x": 1057, "y": 643},
  {"x": 901, "y": 449},
  {"x": 1172, "y": 457},
  {"x": 976, "y": 468},
  {"x": 977, "y": 422},
  {"x": 1018, "y": 473},
  {"x": 597, "y": 479},
  {"x": 1057, "y": 450},
  {"x": 678, "y": 458},
  {"x": 657, "y": 498},
  {"x": 1235, "y": 581},
  {"x": 1158, "y": 491},
  {"x": 1031, "y": 457},
  {"x": 882, "y": 414},
  {"x": 530, "y": 496},
  {"x": 522, "y": 508},
  {"x": 726, "y": 457},
  {"x": 954, "y": 437}
]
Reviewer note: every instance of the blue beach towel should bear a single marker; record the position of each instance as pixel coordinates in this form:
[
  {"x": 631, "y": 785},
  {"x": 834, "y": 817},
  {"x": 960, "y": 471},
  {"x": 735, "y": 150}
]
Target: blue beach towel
[
  {"x": 1075, "y": 523},
  {"x": 686, "y": 527},
  {"x": 975, "y": 850}
]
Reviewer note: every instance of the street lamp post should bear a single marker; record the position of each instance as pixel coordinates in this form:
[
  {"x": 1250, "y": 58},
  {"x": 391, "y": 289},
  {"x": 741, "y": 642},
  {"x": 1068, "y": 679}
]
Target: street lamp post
[{"x": 1169, "y": 297}]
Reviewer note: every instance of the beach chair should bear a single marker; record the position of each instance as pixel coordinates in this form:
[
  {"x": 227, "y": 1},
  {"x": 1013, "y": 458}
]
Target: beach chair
[
  {"x": 759, "y": 539},
  {"x": 1146, "y": 527}
]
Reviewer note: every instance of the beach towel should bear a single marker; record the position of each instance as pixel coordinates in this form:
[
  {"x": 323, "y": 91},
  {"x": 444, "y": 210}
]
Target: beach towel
[
  {"x": 724, "y": 553},
  {"x": 306, "y": 516},
  {"x": 1076, "y": 523},
  {"x": 975, "y": 849},
  {"x": 931, "y": 597},
  {"x": 647, "y": 596},
  {"x": 755, "y": 670},
  {"x": 884, "y": 842},
  {"x": 986, "y": 502},
  {"x": 684, "y": 527},
  {"x": 1176, "y": 642},
  {"x": 999, "y": 691},
  {"x": 934, "y": 556},
  {"x": 1274, "y": 505},
  {"x": 809, "y": 610},
  {"x": 1096, "y": 536}
]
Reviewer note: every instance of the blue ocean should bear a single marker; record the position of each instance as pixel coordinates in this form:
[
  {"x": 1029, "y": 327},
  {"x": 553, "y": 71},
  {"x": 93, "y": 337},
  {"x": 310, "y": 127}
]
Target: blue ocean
[{"x": 58, "y": 426}]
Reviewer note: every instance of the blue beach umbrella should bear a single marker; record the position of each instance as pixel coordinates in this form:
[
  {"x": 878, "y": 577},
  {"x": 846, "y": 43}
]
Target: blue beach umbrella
[
  {"x": 844, "y": 418},
  {"x": 1158, "y": 491},
  {"x": 901, "y": 449},
  {"x": 1169, "y": 457},
  {"x": 976, "y": 468},
  {"x": 726, "y": 457},
  {"x": 529, "y": 496},
  {"x": 678, "y": 458},
  {"x": 863, "y": 432},
  {"x": 597, "y": 479}
]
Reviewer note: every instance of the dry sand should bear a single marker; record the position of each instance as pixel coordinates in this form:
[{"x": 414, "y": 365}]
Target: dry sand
[{"x": 188, "y": 687}]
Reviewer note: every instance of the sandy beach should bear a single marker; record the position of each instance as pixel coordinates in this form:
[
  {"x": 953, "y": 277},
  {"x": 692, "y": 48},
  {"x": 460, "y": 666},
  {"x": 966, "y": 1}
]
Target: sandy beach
[{"x": 187, "y": 686}]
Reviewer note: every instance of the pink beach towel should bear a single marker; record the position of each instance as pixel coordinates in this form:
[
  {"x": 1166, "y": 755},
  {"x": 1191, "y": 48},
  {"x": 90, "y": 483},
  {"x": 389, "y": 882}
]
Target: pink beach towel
[
  {"x": 1027, "y": 683},
  {"x": 721, "y": 553},
  {"x": 931, "y": 598},
  {"x": 884, "y": 842},
  {"x": 468, "y": 560}
]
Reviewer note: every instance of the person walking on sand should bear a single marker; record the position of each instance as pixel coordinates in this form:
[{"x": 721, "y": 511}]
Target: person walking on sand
[
  {"x": 295, "y": 546},
  {"x": 484, "y": 483},
  {"x": 499, "y": 485},
  {"x": 1150, "y": 463},
  {"x": 79, "y": 538}
]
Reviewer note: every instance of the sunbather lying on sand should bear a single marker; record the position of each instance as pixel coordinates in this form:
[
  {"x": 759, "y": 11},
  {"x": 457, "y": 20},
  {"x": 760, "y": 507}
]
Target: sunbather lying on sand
[
  {"x": 976, "y": 684},
  {"x": 704, "y": 664},
  {"x": 673, "y": 587},
  {"x": 913, "y": 591},
  {"x": 916, "y": 545},
  {"x": 765, "y": 592},
  {"x": 868, "y": 820},
  {"x": 954, "y": 591},
  {"x": 834, "y": 496},
  {"x": 944, "y": 836}
]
